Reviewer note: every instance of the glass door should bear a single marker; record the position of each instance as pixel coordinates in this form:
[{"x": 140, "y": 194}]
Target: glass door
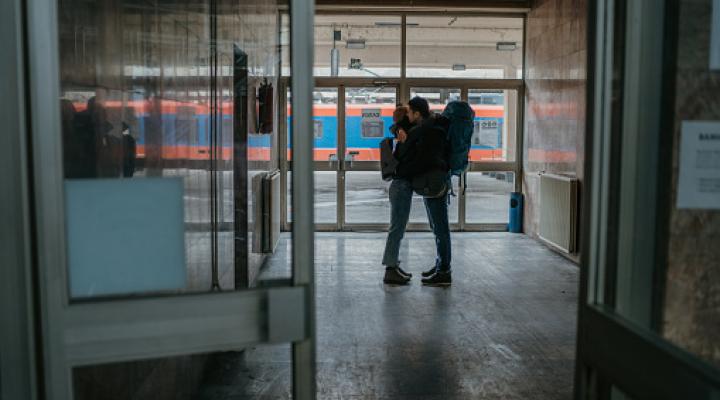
[
  {"x": 495, "y": 157},
  {"x": 367, "y": 115},
  {"x": 647, "y": 323},
  {"x": 326, "y": 164},
  {"x": 155, "y": 130},
  {"x": 483, "y": 196}
]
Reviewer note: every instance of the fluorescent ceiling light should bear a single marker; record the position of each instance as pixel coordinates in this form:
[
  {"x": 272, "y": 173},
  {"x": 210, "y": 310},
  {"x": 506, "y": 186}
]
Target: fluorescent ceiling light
[
  {"x": 355, "y": 44},
  {"x": 458, "y": 67},
  {"x": 506, "y": 46}
]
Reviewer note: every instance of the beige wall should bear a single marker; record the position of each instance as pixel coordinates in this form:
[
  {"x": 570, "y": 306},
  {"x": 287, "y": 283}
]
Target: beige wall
[
  {"x": 555, "y": 96},
  {"x": 692, "y": 296}
]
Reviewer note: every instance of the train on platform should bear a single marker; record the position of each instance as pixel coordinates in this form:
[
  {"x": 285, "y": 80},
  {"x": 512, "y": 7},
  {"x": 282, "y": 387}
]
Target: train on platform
[{"x": 185, "y": 129}]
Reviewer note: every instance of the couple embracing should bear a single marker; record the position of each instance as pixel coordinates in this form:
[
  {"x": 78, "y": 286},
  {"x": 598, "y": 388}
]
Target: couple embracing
[{"x": 419, "y": 164}]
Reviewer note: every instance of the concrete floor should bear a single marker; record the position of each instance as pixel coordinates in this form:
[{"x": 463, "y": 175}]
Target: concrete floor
[{"x": 504, "y": 330}]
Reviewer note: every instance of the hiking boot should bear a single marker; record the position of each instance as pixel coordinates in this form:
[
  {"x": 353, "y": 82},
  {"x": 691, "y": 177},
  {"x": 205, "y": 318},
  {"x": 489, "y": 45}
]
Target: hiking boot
[
  {"x": 429, "y": 273},
  {"x": 440, "y": 278},
  {"x": 394, "y": 277},
  {"x": 402, "y": 272}
]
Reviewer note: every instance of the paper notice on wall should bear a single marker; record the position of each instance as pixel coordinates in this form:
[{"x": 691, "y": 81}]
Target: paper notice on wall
[
  {"x": 715, "y": 37},
  {"x": 699, "y": 169},
  {"x": 487, "y": 133}
]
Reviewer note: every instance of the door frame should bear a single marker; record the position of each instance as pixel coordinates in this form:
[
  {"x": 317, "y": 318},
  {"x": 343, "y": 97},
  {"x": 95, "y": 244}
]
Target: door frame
[
  {"x": 76, "y": 333},
  {"x": 620, "y": 303},
  {"x": 403, "y": 86},
  {"x": 19, "y": 362}
]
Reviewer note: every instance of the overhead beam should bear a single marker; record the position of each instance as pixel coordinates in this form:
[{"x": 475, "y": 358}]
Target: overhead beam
[{"x": 414, "y": 5}]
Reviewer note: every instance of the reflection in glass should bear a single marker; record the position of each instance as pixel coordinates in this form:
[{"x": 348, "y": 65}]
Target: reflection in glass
[
  {"x": 148, "y": 90},
  {"x": 229, "y": 374}
]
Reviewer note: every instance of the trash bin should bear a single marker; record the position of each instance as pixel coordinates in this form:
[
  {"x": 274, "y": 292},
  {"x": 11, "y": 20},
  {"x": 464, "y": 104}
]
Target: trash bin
[{"x": 516, "y": 208}]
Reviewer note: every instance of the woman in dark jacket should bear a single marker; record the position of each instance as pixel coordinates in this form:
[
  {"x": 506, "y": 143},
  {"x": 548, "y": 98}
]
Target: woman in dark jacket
[{"x": 400, "y": 203}]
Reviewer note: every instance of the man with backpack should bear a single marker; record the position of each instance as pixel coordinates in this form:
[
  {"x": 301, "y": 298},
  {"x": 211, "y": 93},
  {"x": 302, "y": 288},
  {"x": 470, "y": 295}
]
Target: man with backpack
[
  {"x": 430, "y": 150},
  {"x": 420, "y": 166},
  {"x": 431, "y": 160}
]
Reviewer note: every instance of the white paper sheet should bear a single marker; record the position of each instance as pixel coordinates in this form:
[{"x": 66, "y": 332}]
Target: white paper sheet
[{"x": 699, "y": 169}]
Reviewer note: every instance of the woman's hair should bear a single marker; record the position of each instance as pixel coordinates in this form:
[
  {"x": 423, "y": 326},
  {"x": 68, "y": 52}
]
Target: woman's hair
[{"x": 400, "y": 113}]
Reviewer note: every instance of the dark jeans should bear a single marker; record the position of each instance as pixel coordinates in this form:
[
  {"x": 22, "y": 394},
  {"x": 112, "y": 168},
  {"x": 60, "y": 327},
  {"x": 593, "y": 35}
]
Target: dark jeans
[
  {"x": 400, "y": 203},
  {"x": 437, "y": 212}
]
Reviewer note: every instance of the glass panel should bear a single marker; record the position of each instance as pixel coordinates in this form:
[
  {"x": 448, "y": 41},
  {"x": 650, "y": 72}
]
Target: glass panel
[
  {"x": 464, "y": 47},
  {"x": 691, "y": 299},
  {"x": 325, "y": 129},
  {"x": 436, "y": 97},
  {"x": 357, "y": 45},
  {"x": 368, "y": 116},
  {"x": 366, "y": 198},
  {"x": 236, "y": 374},
  {"x": 145, "y": 124},
  {"x": 325, "y": 197},
  {"x": 488, "y": 197},
  {"x": 495, "y": 128}
]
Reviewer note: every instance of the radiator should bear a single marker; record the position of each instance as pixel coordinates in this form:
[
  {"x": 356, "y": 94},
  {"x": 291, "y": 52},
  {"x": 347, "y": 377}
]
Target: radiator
[
  {"x": 266, "y": 212},
  {"x": 558, "y": 211}
]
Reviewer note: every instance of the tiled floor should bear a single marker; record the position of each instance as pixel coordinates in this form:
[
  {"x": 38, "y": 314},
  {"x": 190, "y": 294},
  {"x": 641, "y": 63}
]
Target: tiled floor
[{"x": 504, "y": 330}]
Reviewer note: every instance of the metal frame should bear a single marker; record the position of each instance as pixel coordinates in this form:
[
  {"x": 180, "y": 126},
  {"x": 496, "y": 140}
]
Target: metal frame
[
  {"x": 109, "y": 330},
  {"x": 403, "y": 85},
  {"x": 302, "y": 50},
  {"x": 618, "y": 349},
  {"x": 18, "y": 367},
  {"x": 403, "y": 89}
]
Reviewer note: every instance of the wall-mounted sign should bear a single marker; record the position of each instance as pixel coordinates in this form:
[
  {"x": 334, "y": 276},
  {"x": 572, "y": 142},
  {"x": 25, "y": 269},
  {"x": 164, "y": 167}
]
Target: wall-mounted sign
[
  {"x": 486, "y": 133},
  {"x": 715, "y": 37},
  {"x": 699, "y": 170},
  {"x": 356, "y": 63},
  {"x": 372, "y": 125}
]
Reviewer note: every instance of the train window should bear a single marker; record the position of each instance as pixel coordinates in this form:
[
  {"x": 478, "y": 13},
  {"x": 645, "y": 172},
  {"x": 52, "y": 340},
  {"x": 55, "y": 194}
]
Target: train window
[
  {"x": 492, "y": 99},
  {"x": 318, "y": 129},
  {"x": 372, "y": 129}
]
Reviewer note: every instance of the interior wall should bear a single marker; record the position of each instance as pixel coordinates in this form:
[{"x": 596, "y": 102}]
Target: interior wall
[
  {"x": 692, "y": 299},
  {"x": 555, "y": 63}
]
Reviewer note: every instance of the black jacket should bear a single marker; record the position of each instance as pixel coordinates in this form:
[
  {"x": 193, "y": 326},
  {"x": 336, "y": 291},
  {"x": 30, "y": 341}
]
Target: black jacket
[{"x": 425, "y": 149}]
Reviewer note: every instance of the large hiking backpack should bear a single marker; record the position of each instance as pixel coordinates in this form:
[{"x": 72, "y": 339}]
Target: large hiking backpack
[{"x": 459, "y": 134}]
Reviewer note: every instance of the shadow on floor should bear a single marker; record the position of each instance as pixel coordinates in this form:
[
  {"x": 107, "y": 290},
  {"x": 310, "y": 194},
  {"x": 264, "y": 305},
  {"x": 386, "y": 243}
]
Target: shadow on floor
[{"x": 504, "y": 330}]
